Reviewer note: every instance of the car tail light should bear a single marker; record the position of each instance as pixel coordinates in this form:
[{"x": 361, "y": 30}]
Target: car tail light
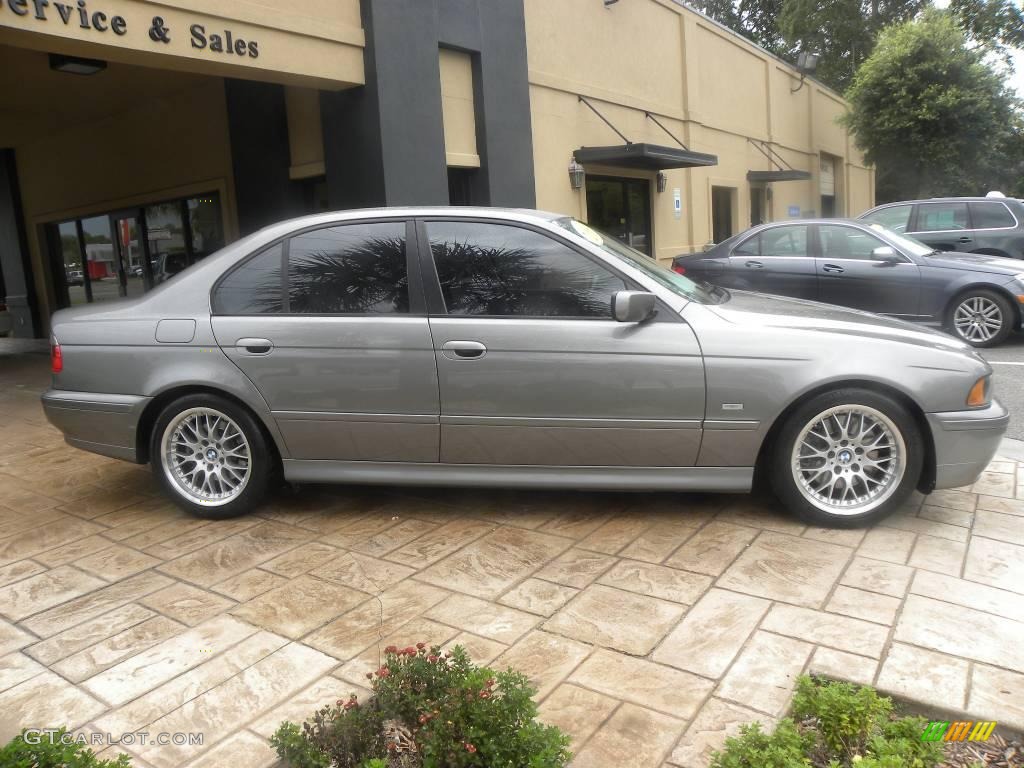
[
  {"x": 56, "y": 358},
  {"x": 679, "y": 269}
]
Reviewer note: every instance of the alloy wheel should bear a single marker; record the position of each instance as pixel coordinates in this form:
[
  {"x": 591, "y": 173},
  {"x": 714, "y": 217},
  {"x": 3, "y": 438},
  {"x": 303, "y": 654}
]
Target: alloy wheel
[
  {"x": 206, "y": 456},
  {"x": 978, "y": 319},
  {"x": 849, "y": 459}
]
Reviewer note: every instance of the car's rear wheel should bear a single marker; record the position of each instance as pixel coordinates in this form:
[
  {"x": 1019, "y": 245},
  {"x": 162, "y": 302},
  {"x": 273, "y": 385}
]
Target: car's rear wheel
[
  {"x": 210, "y": 456},
  {"x": 981, "y": 317},
  {"x": 847, "y": 458}
]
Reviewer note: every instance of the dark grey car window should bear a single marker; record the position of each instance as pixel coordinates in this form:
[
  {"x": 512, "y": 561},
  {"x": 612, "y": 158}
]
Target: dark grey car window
[
  {"x": 499, "y": 270},
  {"x": 253, "y": 288},
  {"x": 349, "y": 269},
  {"x": 784, "y": 241},
  {"x": 991, "y": 216},
  {"x": 749, "y": 247},
  {"x": 941, "y": 217},
  {"x": 895, "y": 217},
  {"x": 839, "y": 242}
]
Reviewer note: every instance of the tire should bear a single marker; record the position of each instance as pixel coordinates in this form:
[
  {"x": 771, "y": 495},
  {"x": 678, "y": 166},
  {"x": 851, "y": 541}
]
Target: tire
[
  {"x": 974, "y": 314},
  {"x": 859, "y": 494},
  {"x": 241, "y": 461}
]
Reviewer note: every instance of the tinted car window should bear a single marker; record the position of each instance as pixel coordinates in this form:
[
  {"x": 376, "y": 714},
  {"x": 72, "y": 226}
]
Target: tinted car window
[
  {"x": 253, "y": 288},
  {"x": 784, "y": 241},
  {"x": 847, "y": 242},
  {"x": 349, "y": 269},
  {"x": 896, "y": 217},
  {"x": 991, "y": 216},
  {"x": 499, "y": 270},
  {"x": 749, "y": 247},
  {"x": 939, "y": 217}
]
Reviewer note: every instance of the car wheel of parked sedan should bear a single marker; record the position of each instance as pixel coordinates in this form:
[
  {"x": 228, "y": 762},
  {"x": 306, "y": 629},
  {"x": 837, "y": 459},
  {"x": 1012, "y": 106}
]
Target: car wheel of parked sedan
[
  {"x": 210, "y": 455},
  {"x": 981, "y": 318},
  {"x": 847, "y": 458}
]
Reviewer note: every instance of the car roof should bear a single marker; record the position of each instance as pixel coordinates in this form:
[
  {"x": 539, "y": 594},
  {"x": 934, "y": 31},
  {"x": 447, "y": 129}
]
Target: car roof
[{"x": 978, "y": 199}]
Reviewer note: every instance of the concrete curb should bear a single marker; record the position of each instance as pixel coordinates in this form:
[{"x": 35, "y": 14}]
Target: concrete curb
[{"x": 1012, "y": 449}]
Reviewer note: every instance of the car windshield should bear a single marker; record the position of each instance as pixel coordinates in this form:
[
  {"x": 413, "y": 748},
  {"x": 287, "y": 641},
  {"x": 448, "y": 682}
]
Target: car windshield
[
  {"x": 684, "y": 286},
  {"x": 904, "y": 242}
]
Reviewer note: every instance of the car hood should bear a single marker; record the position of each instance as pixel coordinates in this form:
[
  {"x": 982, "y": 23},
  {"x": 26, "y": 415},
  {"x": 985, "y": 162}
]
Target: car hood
[
  {"x": 761, "y": 310},
  {"x": 975, "y": 262}
]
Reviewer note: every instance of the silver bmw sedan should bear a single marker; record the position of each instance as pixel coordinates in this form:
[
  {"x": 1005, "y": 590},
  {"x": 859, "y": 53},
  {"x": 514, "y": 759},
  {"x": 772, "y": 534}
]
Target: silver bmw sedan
[{"x": 458, "y": 346}]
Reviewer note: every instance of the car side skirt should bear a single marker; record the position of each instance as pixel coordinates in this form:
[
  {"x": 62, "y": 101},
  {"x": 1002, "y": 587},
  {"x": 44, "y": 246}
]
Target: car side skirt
[{"x": 724, "y": 479}]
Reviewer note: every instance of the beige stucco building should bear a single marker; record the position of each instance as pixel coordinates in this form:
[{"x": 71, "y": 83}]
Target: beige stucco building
[{"x": 136, "y": 137}]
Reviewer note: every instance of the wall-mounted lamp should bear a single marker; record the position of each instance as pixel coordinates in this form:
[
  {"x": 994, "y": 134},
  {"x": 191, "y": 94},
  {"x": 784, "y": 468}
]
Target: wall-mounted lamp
[
  {"x": 662, "y": 181},
  {"x": 576, "y": 174},
  {"x": 610, "y": 2},
  {"x": 76, "y": 65},
  {"x": 806, "y": 64}
]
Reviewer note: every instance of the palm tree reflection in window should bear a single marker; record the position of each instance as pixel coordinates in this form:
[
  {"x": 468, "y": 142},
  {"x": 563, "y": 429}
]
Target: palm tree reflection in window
[
  {"x": 345, "y": 270},
  {"x": 545, "y": 279}
]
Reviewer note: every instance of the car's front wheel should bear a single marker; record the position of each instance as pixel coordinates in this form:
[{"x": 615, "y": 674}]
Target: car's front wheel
[
  {"x": 847, "y": 458},
  {"x": 210, "y": 456},
  {"x": 982, "y": 318}
]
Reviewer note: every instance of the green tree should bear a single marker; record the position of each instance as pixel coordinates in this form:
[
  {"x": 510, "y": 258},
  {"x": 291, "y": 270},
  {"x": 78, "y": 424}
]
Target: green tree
[
  {"x": 993, "y": 24},
  {"x": 756, "y": 20},
  {"x": 841, "y": 32},
  {"x": 931, "y": 114}
]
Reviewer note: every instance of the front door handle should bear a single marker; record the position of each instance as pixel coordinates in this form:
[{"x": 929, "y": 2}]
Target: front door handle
[
  {"x": 254, "y": 346},
  {"x": 463, "y": 350},
  {"x": 834, "y": 269},
  {"x": 754, "y": 265},
  {"x": 965, "y": 240}
]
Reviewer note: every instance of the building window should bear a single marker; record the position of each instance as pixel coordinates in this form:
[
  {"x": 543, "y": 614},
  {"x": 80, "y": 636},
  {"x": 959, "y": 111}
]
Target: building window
[
  {"x": 460, "y": 186},
  {"x": 830, "y": 183},
  {"x": 621, "y": 208}
]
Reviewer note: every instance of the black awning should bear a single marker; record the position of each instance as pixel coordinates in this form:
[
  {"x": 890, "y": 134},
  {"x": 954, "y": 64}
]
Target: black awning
[
  {"x": 780, "y": 175},
  {"x": 644, "y": 157}
]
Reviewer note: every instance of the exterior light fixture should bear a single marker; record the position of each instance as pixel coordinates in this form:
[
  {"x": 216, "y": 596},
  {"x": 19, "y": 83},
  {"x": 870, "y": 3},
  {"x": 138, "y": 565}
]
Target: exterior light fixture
[
  {"x": 662, "y": 181},
  {"x": 76, "y": 65},
  {"x": 576, "y": 174},
  {"x": 610, "y": 2},
  {"x": 806, "y": 64}
]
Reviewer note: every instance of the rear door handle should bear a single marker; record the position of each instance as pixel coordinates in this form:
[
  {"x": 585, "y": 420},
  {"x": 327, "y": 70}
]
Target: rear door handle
[
  {"x": 965, "y": 240},
  {"x": 254, "y": 346},
  {"x": 833, "y": 268},
  {"x": 463, "y": 350},
  {"x": 754, "y": 265}
]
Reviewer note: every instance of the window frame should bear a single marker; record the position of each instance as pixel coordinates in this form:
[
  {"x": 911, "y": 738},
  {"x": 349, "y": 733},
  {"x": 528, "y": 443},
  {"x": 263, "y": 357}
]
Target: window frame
[
  {"x": 417, "y": 300},
  {"x": 970, "y": 213},
  {"x": 769, "y": 228},
  {"x": 436, "y": 306},
  {"x": 820, "y": 244},
  {"x": 919, "y": 212}
]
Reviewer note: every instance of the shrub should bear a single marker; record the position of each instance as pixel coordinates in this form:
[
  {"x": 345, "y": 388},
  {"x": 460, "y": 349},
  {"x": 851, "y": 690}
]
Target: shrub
[
  {"x": 845, "y": 715},
  {"x": 753, "y": 748},
  {"x": 428, "y": 709},
  {"x": 58, "y": 750}
]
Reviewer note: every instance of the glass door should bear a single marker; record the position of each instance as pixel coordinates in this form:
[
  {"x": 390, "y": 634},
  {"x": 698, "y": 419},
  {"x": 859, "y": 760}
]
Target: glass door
[
  {"x": 131, "y": 249},
  {"x": 622, "y": 208}
]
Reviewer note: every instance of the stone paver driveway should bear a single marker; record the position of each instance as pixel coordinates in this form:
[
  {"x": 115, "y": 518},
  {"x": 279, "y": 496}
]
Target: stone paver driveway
[{"x": 650, "y": 624}]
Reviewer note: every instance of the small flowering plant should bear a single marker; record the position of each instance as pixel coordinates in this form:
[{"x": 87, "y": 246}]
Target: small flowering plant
[{"x": 432, "y": 709}]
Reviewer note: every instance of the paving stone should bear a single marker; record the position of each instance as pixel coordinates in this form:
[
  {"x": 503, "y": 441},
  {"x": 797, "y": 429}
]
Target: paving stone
[
  {"x": 997, "y": 694},
  {"x": 437, "y": 544},
  {"x": 969, "y": 594},
  {"x": 249, "y": 584},
  {"x": 717, "y": 720},
  {"x": 996, "y": 525},
  {"x": 546, "y": 659},
  {"x": 876, "y": 576},
  {"x": 713, "y": 548},
  {"x": 299, "y": 607},
  {"x": 948, "y": 516},
  {"x": 939, "y": 555},
  {"x": 580, "y": 520},
  {"x": 992, "y": 639},
  {"x": 506, "y": 625},
  {"x": 657, "y": 581},
  {"x": 380, "y": 544},
  {"x": 925, "y": 676},
  {"x": 302, "y": 559},
  {"x": 997, "y": 504},
  {"x": 576, "y": 568},
  {"x": 491, "y": 564},
  {"x": 37, "y": 593},
  {"x": 362, "y": 572},
  {"x": 660, "y": 540},
  {"x": 632, "y": 736},
  {"x": 243, "y": 748},
  {"x": 616, "y": 619},
  {"x": 187, "y": 604},
  {"x": 927, "y": 527},
  {"x": 654, "y": 686},
  {"x": 994, "y": 484},
  {"x": 537, "y": 596},
  {"x": 844, "y": 537},
  {"x": 765, "y": 673},
  {"x": 88, "y": 633},
  {"x": 712, "y": 633},
  {"x": 74, "y": 550},
  {"x": 863, "y": 605},
  {"x": 19, "y": 570},
  {"x": 995, "y": 563},
  {"x": 887, "y": 544},
  {"x": 302, "y": 706},
  {"x": 16, "y": 668},
  {"x": 616, "y": 534},
  {"x": 745, "y": 510},
  {"x": 106, "y": 653},
  {"x": 43, "y": 701},
  {"x": 195, "y": 539},
  {"x": 174, "y": 527},
  {"x": 840, "y": 665},
  {"x": 576, "y": 711},
  {"x": 418, "y": 630},
  {"x": 787, "y": 568}
]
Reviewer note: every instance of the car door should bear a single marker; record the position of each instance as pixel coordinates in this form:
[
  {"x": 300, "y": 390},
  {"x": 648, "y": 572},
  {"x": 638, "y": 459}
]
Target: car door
[
  {"x": 330, "y": 326},
  {"x": 532, "y": 368},
  {"x": 944, "y": 225},
  {"x": 851, "y": 274},
  {"x": 776, "y": 260}
]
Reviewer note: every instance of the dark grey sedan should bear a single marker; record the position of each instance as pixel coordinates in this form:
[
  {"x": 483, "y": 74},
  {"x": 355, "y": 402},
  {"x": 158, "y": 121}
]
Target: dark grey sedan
[{"x": 867, "y": 266}]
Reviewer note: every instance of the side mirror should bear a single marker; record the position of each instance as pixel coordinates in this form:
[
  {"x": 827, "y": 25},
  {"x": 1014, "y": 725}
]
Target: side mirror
[
  {"x": 632, "y": 306},
  {"x": 886, "y": 255}
]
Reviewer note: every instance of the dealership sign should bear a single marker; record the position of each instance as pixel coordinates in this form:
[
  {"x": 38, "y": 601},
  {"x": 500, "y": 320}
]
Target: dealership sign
[{"x": 80, "y": 15}]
